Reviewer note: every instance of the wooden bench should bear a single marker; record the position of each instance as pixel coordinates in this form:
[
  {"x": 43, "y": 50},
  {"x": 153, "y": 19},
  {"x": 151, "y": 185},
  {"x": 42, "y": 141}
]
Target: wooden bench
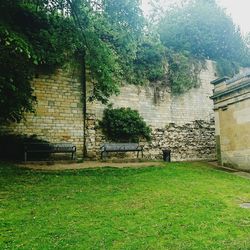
[
  {"x": 49, "y": 148},
  {"x": 121, "y": 147}
]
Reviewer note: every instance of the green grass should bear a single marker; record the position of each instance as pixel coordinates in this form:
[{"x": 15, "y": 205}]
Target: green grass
[{"x": 179, "y": 206}]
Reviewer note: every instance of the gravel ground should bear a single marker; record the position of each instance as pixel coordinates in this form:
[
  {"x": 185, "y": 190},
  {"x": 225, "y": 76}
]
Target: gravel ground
[{"x": 86, "y": 164}]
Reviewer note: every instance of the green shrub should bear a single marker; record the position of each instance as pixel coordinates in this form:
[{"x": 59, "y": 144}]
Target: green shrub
[{"x": 124, "y": 124}]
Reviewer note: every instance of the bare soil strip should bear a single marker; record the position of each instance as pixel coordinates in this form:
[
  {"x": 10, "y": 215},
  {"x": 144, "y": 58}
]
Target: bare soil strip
[{"x": 50, "y": 166}]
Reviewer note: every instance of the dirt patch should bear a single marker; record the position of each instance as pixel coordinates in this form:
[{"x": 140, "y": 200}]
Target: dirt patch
[
  {"x": 243, "y": 174},
  {"x": 87, "y": 164},
  {"x": 216, "y": 165},
  {"x": 234, "y": 171},
  {"x": 245, "y": 205}
]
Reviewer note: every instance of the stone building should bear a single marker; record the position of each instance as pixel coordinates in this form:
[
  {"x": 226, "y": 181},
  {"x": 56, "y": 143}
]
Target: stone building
[
  {"x": 184, "y": 124},
  {"x": 232, "y": 120}
]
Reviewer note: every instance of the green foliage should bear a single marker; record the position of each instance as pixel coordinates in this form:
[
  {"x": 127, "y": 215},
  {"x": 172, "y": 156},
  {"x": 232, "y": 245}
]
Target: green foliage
[
  {"x": 124, "y": 124},
  {"x": 247, "y": 50},
  {"x": 226, "y": 68},
  {"x": 150, "y": 61},
  {"x": 105, "y": 71},
  {"x": 105, "y": 34},
  {"x": 16, "y": 69},
  {"x": 183, "y": 71},
  {"x": 110, "y": 32},
  {"x": 31, "y": 40},
  {"x": 50, "y": 35},
  {"x": 202, "y": 30},
  {"x": 247, "y": 39}
]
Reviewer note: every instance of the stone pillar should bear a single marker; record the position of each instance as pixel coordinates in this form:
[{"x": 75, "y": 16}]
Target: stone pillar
[{"x": 91, "y": 135}]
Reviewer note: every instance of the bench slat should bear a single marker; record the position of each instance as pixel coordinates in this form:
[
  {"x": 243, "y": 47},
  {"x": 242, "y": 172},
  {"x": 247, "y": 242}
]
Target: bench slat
[
  {"x": 49, "y": 148},
  {"x": 121, "y": 147}
]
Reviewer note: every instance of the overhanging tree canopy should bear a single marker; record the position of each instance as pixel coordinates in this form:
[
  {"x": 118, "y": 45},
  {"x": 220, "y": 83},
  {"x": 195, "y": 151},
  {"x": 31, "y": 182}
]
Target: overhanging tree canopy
[
  {"x": 200, "y": 29},
  {"x": 204, "y": 29},
  {"x": 44, "y": 34}
]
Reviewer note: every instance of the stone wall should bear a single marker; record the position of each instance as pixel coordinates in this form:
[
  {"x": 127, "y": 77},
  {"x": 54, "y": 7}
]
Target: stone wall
[
  {"x": 184, "y": 124},
  {"x": 158, "y": 107},
  {"x": 190, "y": 141},
  {"x": 59, "y": 115}
]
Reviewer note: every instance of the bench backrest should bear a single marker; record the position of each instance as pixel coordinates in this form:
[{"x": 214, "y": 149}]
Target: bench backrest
[
  {"x": 63, "y": 147},
  {"x": 38, "y": 146},
  {"x": 50, "y": 147},
  {"x": 120, "y": 146}
]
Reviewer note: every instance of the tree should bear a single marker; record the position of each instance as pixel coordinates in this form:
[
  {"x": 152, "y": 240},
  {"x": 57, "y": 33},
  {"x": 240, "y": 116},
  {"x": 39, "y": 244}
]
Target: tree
[
  {"x": 204, "y": 30},
  {"x": 194, "y": 30},
  {"x": 247, "y": 49},
  {"x": 149, "y": 64},
  {"x": 42, "y": 35},
  {"x": 30, "y": 39}
]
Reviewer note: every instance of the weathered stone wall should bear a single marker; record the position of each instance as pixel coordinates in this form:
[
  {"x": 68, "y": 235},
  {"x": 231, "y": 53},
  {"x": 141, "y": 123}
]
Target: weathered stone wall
[
  {"x": 159, "y": 107},
  {"x": 190, "y": 141},
  {"x": 181, "y": 123},
  {"x": 184, "y": 124},
  {"x": 59, "y": 115}
]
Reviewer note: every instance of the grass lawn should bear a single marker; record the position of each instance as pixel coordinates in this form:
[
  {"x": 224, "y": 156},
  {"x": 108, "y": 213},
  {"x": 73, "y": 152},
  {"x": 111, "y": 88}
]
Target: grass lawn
[{"x": 179, "y": 206}]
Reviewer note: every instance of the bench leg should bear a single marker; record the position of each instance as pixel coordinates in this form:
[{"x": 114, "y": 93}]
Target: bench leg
[
  {"x": 138, "y": 153},
  {"x": 105, "y": 155},
  {"x": 142, "y": 154},
  {"x": 25, "y": 156}
]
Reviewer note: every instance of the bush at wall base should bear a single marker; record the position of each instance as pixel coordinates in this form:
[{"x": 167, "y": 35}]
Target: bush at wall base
[{"x": 124, "y": 124}]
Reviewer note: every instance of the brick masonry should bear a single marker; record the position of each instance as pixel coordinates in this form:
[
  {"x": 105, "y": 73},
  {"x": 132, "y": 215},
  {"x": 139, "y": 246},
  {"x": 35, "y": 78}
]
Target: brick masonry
[{"x": 58, "y": 116}]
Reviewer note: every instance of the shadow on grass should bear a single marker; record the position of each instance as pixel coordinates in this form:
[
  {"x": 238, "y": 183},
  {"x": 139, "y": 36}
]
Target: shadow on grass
[{"x": 11, "y": 173}]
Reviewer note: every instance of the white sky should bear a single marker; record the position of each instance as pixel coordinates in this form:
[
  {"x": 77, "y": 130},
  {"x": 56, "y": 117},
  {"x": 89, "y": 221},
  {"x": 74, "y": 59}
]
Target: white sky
[{"x": 238, "y": 9}]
